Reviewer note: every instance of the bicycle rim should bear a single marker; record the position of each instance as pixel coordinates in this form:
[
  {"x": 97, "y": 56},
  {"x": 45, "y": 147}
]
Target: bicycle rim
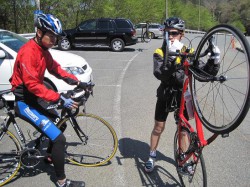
[
  {"x": 9, "y": 151},
  {"x": 222, "y": 106},
  {"x": 199, "y": 178},
  {"x": 100, "y": 146}
]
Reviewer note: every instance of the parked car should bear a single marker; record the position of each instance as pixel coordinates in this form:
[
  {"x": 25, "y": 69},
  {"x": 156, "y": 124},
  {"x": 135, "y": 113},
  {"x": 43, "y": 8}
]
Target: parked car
[
  {"x": 103, "y": 32},
  {"x": 10, "y": 43},
  {"x": 156, "y": 29}
]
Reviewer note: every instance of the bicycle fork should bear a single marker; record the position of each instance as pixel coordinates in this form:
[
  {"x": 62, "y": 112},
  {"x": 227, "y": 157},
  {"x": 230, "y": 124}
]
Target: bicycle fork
[{"x": 78, "y": 130}]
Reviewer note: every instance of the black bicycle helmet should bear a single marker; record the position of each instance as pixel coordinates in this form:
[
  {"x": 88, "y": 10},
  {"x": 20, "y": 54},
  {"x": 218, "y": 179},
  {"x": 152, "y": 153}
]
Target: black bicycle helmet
[
  {"x": 48, "y": 22},
  {"x": 175, "y": 23}
]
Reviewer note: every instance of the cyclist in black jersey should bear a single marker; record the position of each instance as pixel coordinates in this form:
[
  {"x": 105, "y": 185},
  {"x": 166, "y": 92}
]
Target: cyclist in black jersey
[{"x": 171, "y": 76}]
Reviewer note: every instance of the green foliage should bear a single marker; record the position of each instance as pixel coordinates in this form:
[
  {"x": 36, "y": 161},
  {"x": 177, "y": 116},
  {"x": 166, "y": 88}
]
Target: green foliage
[
  {"x": 239, "y": 25},
  {"x": 17, "y": 15},
  {"x": 196, "y": 17}
]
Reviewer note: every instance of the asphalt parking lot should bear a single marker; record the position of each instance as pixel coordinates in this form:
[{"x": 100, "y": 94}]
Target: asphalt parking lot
[{"x": 124, "y": 95}]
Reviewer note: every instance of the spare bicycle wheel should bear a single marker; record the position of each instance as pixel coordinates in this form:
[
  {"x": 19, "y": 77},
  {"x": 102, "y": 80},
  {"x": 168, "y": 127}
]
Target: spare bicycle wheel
[{"x": 222, "y": 105}]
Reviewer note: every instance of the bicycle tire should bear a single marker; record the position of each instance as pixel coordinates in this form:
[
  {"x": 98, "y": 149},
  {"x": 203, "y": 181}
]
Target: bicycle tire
[
  {"x": 146, "y": 38},
  {"x": 200, "y": 175},
  {"x": 100, "y": 147},
  {"x": 222, "y": 105},
  {"x": 8, "y": 169}
]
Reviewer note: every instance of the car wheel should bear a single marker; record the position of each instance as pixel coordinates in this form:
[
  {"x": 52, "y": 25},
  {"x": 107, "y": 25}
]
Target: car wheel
[
  {"x": 117, "y": 45},
  {"x": 64, "y": 44},
  {"x": 49, "y": 85}
]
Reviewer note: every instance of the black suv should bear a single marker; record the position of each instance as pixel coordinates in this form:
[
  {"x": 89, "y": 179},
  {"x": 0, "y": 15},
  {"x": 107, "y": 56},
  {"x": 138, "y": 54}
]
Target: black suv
[{"x": 103, "y": 32}]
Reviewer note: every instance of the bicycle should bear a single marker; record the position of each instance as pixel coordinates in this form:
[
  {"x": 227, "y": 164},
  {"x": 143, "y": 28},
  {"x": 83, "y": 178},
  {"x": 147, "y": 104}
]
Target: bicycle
[
  {"x": 219, "y": 102},
  {"x": 91, "y": 141},
  {"x": 147, "y": 35}
]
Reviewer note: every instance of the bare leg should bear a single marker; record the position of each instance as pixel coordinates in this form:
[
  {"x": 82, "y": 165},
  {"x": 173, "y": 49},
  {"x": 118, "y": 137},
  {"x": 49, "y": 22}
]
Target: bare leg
[
  {"x": 184, "y": 141},
  {"x": 156, "y": 134},
  {"x": 155, "y": 138}
]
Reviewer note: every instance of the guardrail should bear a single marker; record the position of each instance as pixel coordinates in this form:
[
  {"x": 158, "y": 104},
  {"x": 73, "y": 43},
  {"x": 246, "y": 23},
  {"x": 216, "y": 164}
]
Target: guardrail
[
  {"x": 28, "y": 35},
  {"x": 194, "y": 31}
]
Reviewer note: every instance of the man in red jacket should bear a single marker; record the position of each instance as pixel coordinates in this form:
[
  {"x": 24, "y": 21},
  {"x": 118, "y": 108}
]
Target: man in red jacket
[{"x": 30, "y": 93}]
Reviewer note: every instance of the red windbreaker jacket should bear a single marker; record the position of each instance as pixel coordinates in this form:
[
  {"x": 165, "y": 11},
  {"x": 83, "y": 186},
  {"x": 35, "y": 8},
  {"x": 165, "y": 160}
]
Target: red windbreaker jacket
[{"x": 28, "y": 75}]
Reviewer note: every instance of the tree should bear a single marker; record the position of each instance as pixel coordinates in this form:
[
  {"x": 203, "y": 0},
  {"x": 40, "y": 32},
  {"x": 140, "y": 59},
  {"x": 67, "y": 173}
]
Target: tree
[{"x": 18, "y": 15}]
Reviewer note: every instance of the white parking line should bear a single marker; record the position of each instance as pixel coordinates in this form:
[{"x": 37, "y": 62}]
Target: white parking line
[{"x": 119, "y": 174}]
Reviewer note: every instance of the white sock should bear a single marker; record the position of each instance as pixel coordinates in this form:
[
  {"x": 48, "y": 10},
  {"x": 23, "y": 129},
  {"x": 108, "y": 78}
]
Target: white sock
[
  {"x": 60, "y": 185},
  {"x": 153, "y": 153}
]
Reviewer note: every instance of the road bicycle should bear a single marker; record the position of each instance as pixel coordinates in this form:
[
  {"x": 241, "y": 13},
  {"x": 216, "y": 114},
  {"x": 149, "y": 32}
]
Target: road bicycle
[
  {"x": 220, "y": 102},
  {"x": 91, "y": 141},
  {"x": 146, "y": 35}
]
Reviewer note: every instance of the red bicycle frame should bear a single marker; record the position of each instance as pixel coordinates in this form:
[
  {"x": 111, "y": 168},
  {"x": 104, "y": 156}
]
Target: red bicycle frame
[{"x": 183, "y": 122}]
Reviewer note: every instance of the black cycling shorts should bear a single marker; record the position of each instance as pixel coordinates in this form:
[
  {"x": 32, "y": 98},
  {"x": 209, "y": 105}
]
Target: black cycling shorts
[
  {"x": 160, "y": 110},
  {"x": 164, "y": 99}
]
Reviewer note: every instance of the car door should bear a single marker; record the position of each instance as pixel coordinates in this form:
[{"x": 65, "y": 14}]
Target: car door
[
  {"x": 105, "y": 31},
  {"x": 85, "y": 34}
]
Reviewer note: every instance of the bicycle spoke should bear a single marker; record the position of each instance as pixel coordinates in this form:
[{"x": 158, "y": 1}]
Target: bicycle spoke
[
  {"x": 198, "y": 177},
  {"x": 99, "y": 146},
  {"x": 9, "y": 159}
]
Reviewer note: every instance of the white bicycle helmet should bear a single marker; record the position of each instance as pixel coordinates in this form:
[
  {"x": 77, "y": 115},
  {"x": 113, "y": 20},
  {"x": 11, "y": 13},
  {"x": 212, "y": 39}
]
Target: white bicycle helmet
[
  {"x": 174, "y": 22},
  {"x": 48, "y": 22}
]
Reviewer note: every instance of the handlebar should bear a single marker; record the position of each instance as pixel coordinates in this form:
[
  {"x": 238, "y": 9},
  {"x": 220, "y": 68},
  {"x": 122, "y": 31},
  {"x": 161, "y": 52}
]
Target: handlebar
[
  {"x": 78, "y": 94},
  {"x": 81, "y": 95},
  {"x": 186, "y": 54},
  {"x": 3, "y": 102},
  {"x": 197, "y": 72}
]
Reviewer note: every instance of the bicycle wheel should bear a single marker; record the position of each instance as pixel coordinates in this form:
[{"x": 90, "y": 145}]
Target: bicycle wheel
[
  {"x": 199, "y": 176},
  {"x": 9, "y": 157},
  {"x": 222, "y": 105},
  {"x": 147, "y": 37},
  {"x": 98, "y": 147}
]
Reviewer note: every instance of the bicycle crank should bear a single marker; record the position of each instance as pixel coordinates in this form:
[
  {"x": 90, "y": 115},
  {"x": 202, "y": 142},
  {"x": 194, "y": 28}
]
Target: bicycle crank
[{"x": 30, "y": 157}]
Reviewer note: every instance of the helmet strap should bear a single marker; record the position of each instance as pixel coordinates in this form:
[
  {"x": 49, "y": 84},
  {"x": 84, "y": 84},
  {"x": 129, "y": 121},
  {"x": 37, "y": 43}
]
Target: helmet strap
[{"x": 39, "y": 39}]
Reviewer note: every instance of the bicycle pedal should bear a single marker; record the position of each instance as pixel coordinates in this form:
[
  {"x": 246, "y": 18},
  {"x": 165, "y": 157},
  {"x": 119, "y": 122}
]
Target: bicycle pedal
[
  {"x": 182, "y": 172},
  {"x": 225, "y": 135}
]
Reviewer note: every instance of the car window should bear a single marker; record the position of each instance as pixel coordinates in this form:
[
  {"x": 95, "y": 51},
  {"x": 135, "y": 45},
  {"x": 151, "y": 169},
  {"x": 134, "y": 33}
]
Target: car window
[
  {"x": 12, "y": 40},
  {"x": 88, "y": 25},
  {"x": 122, "y": 24},
  {"x": 102, "y": 25}
]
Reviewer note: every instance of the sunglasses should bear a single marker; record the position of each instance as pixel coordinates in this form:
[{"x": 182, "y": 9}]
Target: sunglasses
[{"x": 173, "y": 33}]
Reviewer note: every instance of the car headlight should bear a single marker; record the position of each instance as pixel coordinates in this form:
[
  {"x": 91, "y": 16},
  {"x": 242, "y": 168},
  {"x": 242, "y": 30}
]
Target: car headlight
[{"x": 74, "y": 70}]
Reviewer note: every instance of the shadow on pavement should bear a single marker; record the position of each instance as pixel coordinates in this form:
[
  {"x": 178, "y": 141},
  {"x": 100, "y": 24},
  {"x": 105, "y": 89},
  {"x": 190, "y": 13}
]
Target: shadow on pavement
[
  {"x": 137, "y": 150},
  {"x": 39, "y": 169}
]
